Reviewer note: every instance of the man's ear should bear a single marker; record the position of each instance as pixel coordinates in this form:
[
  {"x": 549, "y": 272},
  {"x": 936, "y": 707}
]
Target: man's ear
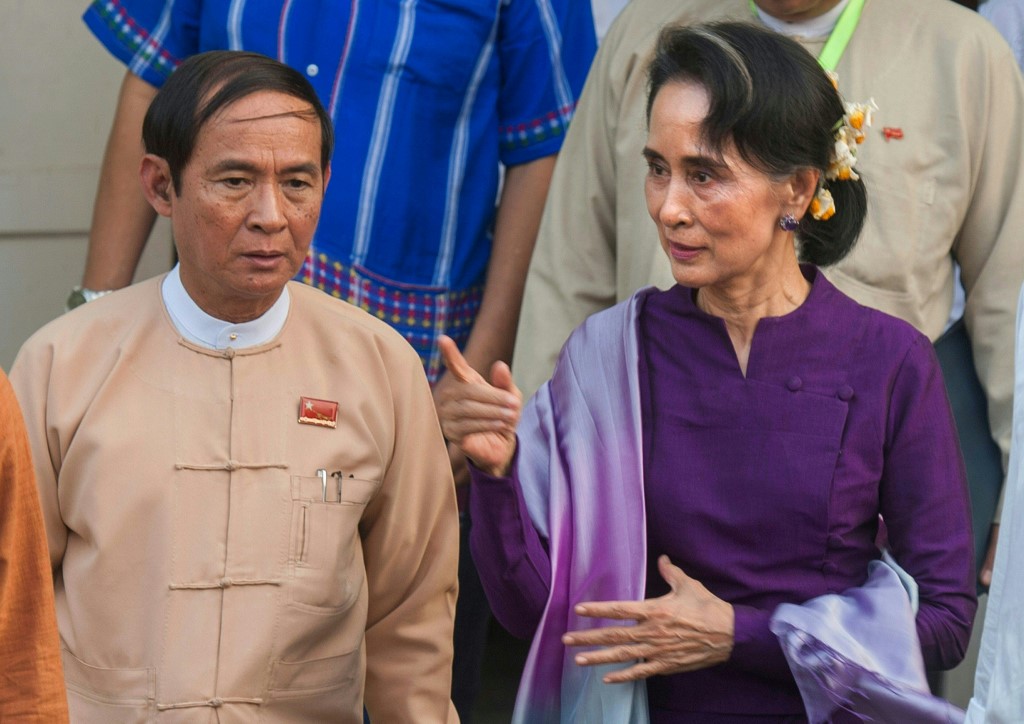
[
  {"x": 327, "y": 176},
  {"x": 155, "y": 175}
]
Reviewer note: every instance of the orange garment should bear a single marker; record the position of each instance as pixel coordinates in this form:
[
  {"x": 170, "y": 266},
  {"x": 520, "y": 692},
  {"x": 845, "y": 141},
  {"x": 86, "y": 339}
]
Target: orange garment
[{"x": 31, "y": 680}]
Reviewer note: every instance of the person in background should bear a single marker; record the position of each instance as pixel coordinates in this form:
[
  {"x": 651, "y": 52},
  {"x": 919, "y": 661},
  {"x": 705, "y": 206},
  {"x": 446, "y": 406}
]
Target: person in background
[
  {"x": 248, "y": 500},
  {"x": 705, "y": 454},
  {"x": 605, "y": 12},
  {"x": 1008, "y": 18},
  {"x": 999, "y": 681},
  {"x": 430, "y": 101},
  {"x": 947, "y": 185},
  {"x": 31, "y": 681}
]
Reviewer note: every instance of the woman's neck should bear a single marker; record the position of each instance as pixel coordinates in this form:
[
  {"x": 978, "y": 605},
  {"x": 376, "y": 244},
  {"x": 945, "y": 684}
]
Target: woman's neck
[{"x": 742, "y": 304}]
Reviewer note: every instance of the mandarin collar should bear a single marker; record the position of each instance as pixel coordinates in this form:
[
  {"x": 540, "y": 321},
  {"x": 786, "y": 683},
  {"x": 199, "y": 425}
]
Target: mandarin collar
[{"x": 203, "y": 330}]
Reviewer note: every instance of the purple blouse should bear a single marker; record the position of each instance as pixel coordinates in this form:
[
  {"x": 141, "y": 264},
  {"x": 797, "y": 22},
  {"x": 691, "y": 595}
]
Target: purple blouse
[{"x": 767, "y": 488}]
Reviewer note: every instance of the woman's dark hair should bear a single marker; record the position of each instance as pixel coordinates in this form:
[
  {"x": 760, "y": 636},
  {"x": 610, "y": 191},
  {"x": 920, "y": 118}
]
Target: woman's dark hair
[
  {"x": 208, "y": 82},
  {"x": 770, "y": 98}
]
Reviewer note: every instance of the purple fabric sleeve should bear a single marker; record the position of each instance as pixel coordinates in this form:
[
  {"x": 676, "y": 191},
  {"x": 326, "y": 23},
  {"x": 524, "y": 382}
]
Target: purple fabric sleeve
[
  {"x": 503, "y": 539},
  {"x": 755, "y": 647},
  {"x": 925, "y": 506}
]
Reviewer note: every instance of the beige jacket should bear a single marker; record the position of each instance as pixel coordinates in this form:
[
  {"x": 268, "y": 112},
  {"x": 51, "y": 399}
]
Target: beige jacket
[
  {"x": 952, "y": 187},
  {"x": 200, "y": 576}
]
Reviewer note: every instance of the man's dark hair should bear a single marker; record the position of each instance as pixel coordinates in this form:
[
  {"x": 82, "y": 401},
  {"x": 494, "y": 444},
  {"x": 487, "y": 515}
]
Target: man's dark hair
[
  {"x": 771, "y": 99},
  {"x": 209, "y": 82}
]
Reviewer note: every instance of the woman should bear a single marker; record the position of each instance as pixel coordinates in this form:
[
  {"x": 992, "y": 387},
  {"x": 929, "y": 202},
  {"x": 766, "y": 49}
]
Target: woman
[{"x": 704, "y": 454}]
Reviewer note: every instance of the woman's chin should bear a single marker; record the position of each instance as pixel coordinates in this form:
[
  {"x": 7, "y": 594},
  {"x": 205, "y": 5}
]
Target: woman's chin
[{"x": 690, "y": 275}]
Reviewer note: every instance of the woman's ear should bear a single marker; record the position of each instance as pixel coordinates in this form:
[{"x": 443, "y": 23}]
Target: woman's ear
[
  {"x": 157, "y": 187},
  {"x": 800, "y": 188}
]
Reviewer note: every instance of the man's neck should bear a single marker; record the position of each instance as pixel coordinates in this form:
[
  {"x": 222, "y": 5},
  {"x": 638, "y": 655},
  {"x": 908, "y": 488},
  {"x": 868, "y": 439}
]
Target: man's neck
[
  {"x": 779, "y": 12},
  {"x": 815, "y": 23}
]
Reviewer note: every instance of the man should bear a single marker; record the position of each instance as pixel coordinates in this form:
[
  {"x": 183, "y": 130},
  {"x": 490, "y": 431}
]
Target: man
[
  {"x": 943, "y": 184},
  {"x": 246, "y": 493},
  {"x": 31, "y": 684},
  {"x": 999, "y": 685},
  {"x": 430, "y": 100}
]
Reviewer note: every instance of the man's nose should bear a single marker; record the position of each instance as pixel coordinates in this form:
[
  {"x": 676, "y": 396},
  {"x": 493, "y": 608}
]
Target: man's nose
[{"x": 267, "y": 212}]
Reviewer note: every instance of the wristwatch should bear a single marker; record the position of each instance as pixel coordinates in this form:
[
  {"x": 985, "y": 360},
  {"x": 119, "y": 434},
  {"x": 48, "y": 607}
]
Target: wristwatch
[{"x": 81, "y": 295}]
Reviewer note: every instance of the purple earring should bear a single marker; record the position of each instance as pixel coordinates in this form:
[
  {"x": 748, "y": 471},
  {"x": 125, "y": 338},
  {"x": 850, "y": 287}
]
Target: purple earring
[{"x": 788, "y": 222}]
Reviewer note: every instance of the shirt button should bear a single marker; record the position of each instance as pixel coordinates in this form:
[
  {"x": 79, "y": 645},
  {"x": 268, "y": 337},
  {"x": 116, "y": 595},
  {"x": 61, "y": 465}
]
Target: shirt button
[
  {"x": 845, "y": 393},
  {"x": 794, "y": 384},
  {"x": 829, "y": 567},
  {"x": 312, "y": 70},
  {"x": 232, "y": 336}
]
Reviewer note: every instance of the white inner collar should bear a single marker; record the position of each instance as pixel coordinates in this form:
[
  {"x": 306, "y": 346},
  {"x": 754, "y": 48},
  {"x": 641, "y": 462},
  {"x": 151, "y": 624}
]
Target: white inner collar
[{"x": 201, "y": 329}]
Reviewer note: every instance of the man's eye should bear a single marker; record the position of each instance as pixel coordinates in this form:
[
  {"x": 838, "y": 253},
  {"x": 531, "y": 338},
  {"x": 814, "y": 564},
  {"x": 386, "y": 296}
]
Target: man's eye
[
  {"x": 234, "y": 182},
  {"x": 297, "y": 184}
]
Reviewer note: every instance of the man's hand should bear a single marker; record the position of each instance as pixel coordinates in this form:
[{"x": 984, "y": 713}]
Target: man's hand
[
  {"x": 684, "y": 630},
  {"x": 480, "y": 418}
]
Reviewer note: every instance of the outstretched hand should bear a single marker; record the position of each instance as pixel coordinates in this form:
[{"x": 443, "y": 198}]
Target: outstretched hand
[
  {"x": 478, "y": 416},
  {"x": 686, "y": 629}
]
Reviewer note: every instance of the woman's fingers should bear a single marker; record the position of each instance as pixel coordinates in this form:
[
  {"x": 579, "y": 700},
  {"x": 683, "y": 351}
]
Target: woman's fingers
[
  {"x": 455, "y": 362},
  {"x": 686, "y": 629},
  {"x": 605, "y": 636}
]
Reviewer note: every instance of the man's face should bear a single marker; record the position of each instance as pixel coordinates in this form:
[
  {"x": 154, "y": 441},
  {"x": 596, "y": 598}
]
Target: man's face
[
  {"x": 796, "y": 10},
  {"x": 249, "y": 203}
]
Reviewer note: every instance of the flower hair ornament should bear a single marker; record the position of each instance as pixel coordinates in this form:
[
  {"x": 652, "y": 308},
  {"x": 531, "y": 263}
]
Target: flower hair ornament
[{"x": 849, "y": 133}]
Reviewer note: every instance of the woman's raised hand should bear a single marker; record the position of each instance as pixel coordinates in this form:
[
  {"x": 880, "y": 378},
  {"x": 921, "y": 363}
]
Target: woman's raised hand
[{"x": 478, "y": 416}]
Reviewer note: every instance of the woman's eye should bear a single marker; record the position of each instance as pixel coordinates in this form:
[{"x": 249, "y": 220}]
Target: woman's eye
[
  {"x": 701, "y": 177},
  {"x": 655, "y": 169}
]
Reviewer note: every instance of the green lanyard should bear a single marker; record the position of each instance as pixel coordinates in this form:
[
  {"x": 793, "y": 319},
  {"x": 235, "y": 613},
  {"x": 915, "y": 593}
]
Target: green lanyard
[{"x": 840, "y": 36}]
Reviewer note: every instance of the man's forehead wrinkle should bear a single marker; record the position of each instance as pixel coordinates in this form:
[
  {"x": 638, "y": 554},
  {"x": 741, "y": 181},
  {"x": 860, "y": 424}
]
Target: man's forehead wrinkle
[{"x": 307, "y": 115}]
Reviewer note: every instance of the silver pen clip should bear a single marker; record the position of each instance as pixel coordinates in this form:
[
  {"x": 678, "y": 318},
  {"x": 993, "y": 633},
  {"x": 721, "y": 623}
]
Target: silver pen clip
[{"x": 322, "y": 474}]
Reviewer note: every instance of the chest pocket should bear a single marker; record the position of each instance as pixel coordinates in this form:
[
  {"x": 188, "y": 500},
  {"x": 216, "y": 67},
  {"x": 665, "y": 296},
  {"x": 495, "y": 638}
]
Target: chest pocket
[
  {"x": 752, "y": 473},
  {"x": 325, "y": 553}
]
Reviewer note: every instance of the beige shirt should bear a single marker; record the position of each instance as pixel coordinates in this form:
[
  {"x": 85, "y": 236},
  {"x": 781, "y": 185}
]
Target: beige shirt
[
  {"x": 952, "y": 187},
  {"x": 200, "y": 574}
]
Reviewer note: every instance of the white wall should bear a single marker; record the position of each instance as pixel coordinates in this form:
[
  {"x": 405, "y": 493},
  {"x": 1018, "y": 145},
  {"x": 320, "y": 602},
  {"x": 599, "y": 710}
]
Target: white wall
[{"x": 58, "y": 87}]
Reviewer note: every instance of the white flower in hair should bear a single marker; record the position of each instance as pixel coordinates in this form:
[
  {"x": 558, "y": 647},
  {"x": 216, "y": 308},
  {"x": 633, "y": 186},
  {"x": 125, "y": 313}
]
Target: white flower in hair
[{"x": 849, "y": 133}]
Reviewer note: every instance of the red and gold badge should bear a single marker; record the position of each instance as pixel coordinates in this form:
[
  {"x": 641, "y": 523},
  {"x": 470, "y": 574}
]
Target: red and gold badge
[{"x": 318, "y": 412}]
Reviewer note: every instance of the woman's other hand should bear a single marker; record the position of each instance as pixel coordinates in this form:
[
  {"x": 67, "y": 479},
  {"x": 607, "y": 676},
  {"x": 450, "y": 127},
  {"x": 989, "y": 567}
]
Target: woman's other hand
[
  {"x": 685, "y": 630},
  {"x": 478, "y": 416}
]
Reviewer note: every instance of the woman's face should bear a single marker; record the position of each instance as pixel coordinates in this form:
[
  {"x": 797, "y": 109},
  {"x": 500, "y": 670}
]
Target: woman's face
[{"x": 717, "y": 218}]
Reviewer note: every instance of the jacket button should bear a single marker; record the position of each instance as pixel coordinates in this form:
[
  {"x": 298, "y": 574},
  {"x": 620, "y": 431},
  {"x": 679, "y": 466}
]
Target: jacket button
[
  {"x": 794, "y": 384},
  {"x": 829, "y": 567},
  {"x": 834, "y": 541},
  {"x": 845, "y": 393}
]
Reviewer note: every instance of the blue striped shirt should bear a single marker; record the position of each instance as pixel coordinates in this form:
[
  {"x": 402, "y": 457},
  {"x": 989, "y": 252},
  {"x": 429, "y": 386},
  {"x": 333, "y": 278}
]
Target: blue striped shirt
[{"x": 428, "y": 97}]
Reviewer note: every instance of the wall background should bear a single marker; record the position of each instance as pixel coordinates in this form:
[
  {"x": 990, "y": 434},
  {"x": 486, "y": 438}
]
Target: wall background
[{"x": 58, "y": 88}]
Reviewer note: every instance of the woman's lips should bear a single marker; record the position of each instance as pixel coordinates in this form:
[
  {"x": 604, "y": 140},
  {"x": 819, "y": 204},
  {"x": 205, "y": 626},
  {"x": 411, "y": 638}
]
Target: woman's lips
[{"x": 682, "y": 252}]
